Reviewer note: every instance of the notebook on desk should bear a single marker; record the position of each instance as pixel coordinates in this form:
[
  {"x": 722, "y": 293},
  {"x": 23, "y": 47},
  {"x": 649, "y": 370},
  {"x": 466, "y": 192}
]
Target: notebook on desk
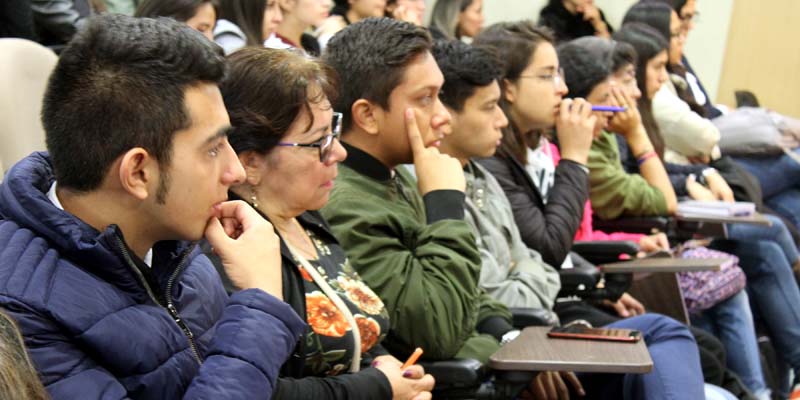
[{"x": 715, "y": 208}]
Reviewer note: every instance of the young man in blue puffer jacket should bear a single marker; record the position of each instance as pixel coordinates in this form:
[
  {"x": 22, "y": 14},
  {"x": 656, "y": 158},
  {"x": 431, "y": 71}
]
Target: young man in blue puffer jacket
[{"x": 96, "y": 263}]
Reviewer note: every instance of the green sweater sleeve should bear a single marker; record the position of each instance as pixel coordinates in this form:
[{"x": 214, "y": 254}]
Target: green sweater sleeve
[
  {"x": 491, "y": 307},
  {"x": 615, "y": 193},
  {"x": 426, "y": 274}
]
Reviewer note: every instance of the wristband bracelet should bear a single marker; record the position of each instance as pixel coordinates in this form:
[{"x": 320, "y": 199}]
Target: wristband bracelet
[
  {"x": 644, "y": 157},
  {"x": 703, "y": 175}
]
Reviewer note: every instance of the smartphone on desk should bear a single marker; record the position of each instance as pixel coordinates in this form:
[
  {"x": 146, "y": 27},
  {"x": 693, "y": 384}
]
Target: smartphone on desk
[{"x": 578, "y": 331}]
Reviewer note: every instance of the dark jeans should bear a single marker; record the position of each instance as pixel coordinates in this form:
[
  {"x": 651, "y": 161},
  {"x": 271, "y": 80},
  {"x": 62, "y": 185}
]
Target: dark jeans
[
  {"x": 779, "y": 177},
  {"x": 773, "y": 292},
  {"x": 676, "y": 366},
  {"x": 713, "y": 358}
]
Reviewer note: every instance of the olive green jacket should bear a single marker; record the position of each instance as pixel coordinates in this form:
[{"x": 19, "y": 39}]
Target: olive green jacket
[
  {"x": 418, "y": 255},
  {"x": 614, "y": 192}
]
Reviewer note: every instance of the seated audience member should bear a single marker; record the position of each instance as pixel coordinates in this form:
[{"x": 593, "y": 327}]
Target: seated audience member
[
  {"x": 687, "y": 12},
  {"x": 246, "y": 23},
  {"x": 729, "y": 317},
  {"x": 763, "y": 252},
  {"x": 198, "y": 14},
  {"x": 18, "y": 378},
  {"x": 288, "y": 144},
  {"x": 56, "y": 21},
  {"x": 412, "y": 11},
  {"x": 701, "y": 180},
  {"x": 298, "y": 16},
  {"x": 456, "y": 19},
  {"x": 547, "y": 207},
  {"x": 549, "y": 224},
  {"x": 471, "y": 94},
  {"x": 111, "y": 298},
  {"x": 346, "y": 12},
  {"x": 407, "y": 240},
  {"x": 688, "y": 137},
  {"x": 571, "y": 19},
  {"x": 414, "y": 250}
]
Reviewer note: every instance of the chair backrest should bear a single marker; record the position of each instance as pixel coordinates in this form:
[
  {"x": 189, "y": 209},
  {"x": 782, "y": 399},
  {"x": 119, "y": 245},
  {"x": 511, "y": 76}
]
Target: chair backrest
[
  {"x": 24, "y": 70},
  {"x": 661, "y": 293}
]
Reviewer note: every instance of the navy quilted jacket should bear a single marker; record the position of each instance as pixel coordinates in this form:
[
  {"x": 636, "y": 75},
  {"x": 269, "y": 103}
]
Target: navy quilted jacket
[{"x": 100, "y": 327}]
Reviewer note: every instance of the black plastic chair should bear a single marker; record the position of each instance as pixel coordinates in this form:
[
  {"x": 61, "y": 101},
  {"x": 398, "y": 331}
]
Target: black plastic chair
[
  {"x": 469, "y": 379},
  {"x": 590, "y": 283}
]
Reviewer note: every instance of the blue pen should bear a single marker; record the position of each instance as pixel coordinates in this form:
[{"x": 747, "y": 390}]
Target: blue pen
[{"x": 608, "y": 108}]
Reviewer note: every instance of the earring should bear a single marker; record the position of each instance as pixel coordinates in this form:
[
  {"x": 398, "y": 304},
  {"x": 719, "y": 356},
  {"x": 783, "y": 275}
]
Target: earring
[{"x": 253, "y": 197}]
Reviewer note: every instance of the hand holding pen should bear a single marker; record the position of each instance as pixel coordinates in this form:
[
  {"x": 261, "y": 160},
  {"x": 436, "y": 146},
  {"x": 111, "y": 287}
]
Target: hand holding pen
[{"x": 408, "y": 381}]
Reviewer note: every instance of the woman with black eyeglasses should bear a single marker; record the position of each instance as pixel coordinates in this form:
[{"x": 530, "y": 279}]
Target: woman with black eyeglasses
[{"x": 286, "y": 135}]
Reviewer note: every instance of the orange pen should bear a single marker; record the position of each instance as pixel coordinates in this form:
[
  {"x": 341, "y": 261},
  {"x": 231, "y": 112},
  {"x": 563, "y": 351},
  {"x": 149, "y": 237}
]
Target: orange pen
[{"x": 413, "y": 358}]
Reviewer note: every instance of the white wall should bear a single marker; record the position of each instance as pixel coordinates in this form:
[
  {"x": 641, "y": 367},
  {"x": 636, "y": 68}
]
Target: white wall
[{"x": 705, "y": 47}]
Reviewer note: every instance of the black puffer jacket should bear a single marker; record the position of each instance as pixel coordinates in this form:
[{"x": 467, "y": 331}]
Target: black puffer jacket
[{"x": 547, "y": 228}]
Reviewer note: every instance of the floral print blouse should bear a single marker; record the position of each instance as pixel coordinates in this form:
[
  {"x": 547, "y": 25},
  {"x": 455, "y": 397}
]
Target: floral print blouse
[{"x": 329, "y": 342}]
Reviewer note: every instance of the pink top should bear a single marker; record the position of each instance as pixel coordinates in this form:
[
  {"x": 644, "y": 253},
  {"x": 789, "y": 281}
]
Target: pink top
[{"x": 585, "y": 230}]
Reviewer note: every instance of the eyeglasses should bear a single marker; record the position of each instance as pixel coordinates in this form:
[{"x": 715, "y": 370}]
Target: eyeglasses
[
  {"x": 681, "y": 34},
  {"x": 691, "y": 17},
  {"x": 557, "y": 79},
  {"x": 325, "y": 143}
]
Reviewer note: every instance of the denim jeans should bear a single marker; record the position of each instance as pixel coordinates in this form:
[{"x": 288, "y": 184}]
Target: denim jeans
[
  {"x": 787, "y": 204},
  {"x": 780, "y": 182},
  {"x": 732, "y": 322},
  {"x": 777, "y": 233},
  {"x": 676, "y": 365},
  {"x": 775, "y": 174},
  {"x": 774, "y": 295}
]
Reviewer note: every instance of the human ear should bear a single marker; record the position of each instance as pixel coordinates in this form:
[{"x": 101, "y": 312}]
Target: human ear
[
  {"x": 509, "y": 91},
  {"x": 253, "y": 164},
  {"x": 138, "y": 172},
  {"x": 366, "y": 116}
]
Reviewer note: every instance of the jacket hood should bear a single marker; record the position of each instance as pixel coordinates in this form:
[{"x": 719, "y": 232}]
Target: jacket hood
[{"x": 23, "y": 200}]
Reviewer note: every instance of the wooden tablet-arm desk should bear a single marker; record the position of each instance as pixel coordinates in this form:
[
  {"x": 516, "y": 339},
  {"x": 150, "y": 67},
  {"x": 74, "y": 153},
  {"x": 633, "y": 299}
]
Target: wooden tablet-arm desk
[
  {"x": 655, "y": 282},
  {"x": 532, "y": 350}
]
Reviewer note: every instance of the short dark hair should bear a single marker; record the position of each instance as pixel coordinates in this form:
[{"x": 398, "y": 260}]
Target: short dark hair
[
  {"x": 515, "y": 43},
  {"x": 120, "y": 84},
  {"x": 465, "y": 68},
  {"x": 587, "y": 61},
  {"x": 266, "y": 89},
  {"x": 371, "y": 57},
  {"x": 248, "y": 15},
  {"x": 180, "y": 10},
  {"x": 657, "y": 15},
  {"x": 623, "y": 55}
]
